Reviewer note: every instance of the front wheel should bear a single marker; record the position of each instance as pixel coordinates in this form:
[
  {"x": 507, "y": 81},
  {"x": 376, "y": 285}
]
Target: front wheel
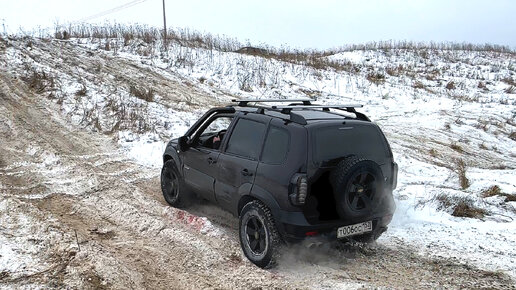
[
  {"x": 172, "y": 185},
  {"x": 259, "y": 238}
]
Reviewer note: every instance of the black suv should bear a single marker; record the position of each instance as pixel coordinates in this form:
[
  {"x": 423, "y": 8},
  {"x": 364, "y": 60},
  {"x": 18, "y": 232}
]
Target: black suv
[{"x": 289, "y": 172}]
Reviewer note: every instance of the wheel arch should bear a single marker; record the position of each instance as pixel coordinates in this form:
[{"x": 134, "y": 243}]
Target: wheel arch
[
  {"x": 171, "y": 154},
  {"x": 258, "y": 193}
]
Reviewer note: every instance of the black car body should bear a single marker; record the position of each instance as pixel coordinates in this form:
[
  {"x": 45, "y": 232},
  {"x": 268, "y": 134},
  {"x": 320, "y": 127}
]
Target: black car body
[{"x": 314, "y": 169}]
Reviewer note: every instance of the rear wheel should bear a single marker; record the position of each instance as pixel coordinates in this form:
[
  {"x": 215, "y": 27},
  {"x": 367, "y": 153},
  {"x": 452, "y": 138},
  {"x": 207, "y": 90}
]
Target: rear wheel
[
  {"x": 172, "y": 185},
  {"x": 259, "y": 238}
]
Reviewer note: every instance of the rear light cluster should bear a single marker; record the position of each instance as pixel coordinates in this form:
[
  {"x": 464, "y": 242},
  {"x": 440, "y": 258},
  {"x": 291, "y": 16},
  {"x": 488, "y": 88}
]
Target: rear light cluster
[
  {"x": 394, "y": 175},
  {"x": 299, "y": 190}
]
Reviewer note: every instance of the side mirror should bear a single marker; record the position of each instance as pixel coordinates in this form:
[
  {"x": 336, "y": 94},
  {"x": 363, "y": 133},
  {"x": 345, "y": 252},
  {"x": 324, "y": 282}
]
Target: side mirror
[{"x": 183, "y": 143}]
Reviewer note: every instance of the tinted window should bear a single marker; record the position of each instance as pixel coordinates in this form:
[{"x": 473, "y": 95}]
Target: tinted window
[
  {"x": 276, "y": 146},
  {"x": 246, "y": 139},
  {"x": 339, "y": 141}
]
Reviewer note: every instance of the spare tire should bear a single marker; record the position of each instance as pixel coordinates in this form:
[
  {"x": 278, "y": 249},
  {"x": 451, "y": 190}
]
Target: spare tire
[{"x": 358, "y": 187}]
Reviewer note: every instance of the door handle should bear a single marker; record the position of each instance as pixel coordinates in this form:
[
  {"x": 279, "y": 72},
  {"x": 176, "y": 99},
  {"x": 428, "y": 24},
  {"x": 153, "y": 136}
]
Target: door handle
[
  {"x": 246, "y": 172},
  {"x": 211, "y": 160}
]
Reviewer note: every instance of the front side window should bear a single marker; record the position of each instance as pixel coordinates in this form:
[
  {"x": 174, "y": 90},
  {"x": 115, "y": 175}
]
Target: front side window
[
  {"x": 276, "y": 146},
  {"x": 246, "y": 139},
  {"x": 212, "y": 136}
]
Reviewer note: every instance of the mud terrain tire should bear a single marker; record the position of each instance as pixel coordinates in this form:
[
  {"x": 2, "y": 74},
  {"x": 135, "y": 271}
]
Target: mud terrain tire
[
  {"x": 259, "y": 237},
  {"x": 172, "y": 185},
  {"x": 358, "y": 187}
]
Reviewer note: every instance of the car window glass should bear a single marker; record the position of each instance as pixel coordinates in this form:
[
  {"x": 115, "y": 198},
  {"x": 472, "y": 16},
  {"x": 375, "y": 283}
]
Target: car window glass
[
  {"x": 218, "y": 124},
  {"x": 212, "y": 136},
  {"x": 276, "y": 146},
  {"x": 246, "y": 139}
]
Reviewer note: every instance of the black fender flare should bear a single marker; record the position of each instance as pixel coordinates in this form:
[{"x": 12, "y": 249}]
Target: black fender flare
[
  {"x": 258, "y": 193},
  {"x": 171, "y": 153}
]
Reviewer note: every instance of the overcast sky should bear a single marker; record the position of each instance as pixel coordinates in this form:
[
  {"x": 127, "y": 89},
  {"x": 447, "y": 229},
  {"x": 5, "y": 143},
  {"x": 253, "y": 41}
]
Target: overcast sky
[{"x": 295, "y": 23}]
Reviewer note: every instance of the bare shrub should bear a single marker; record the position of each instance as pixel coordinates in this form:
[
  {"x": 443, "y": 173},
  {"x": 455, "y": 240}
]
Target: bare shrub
[
  {"x": 39, "y": 81},
  {"x": 82, "y": 91},
  {"x": 510, "y": 81},
  {"x": 144, "y": 93},
  {"x": 418, "y": 85},
  {"x": 376, "y": 77},
  {"x": 510, "y": 90},
  {"x": 496, "y": 191},
  {"x": 460, "y": 206},
  {"x": 456, "y": 147},
  {"x": 461, "y": 172},
  {"x": 450, "y": 85},
  {"x": 466, "y": 209},
  {"x": 491, "y": 191},
  {"x": 512, "y": 136}
]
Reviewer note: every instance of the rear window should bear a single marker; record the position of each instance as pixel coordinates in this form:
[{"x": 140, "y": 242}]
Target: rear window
[
  {"x": 246, "y": 139},
  {"x": 276, "y": 146},
  {"x": 354, "y": 139}
]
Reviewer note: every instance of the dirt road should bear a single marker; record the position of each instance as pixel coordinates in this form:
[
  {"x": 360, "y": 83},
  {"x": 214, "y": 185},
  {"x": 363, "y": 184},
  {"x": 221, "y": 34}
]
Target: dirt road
[{"x": 75, "y": 212}]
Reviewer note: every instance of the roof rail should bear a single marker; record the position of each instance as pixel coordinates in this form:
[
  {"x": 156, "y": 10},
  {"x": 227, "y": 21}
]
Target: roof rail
[
  {"x": 245, "y": 102},
  {"x": 306, "y": 104},
  {"x": 289, "y": 108},
  {"x": 348, "y": 108}
]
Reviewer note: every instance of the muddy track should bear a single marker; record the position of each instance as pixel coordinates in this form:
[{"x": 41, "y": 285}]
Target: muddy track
[{"x": 85, "y": 216}]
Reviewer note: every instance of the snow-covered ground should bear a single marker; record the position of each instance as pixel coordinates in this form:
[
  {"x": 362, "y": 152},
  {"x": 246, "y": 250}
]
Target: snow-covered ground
[
  {"x": 415, "y": 121},
  {"x": 437, "y": 109}
]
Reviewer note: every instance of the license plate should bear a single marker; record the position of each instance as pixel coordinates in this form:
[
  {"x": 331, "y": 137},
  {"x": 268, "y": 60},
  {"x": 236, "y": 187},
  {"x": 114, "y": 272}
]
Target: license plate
[{"x": 355, "y": 229}]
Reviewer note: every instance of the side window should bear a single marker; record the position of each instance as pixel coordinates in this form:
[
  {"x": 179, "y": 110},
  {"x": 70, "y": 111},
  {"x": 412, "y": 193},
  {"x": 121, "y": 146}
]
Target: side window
[
  {"x": 276, "y": 146},
  {"x": 221, "y": 123},
  {"x": 246, "y": 139},
  {"x": 212, "y": 136}
]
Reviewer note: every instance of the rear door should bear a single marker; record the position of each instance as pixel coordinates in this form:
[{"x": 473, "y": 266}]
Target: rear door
[{"x": 238, "y": 160}]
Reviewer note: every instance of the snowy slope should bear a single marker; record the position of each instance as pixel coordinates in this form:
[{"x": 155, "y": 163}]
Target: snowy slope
[{"x": 437, "y": 108}]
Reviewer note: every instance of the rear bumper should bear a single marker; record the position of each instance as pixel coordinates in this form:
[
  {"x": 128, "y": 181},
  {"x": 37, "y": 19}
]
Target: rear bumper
[{"x": 294, "y": 227}]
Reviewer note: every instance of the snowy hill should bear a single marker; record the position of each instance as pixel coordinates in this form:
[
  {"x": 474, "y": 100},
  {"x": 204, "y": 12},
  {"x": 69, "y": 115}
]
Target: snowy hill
[{"x": 449, "y": 114}]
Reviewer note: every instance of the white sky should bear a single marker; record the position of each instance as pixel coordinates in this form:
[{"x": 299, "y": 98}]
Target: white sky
[{"x": 295, "y": 23}]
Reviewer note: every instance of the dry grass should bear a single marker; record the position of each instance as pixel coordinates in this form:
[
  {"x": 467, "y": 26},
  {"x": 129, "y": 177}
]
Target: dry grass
[
  {"x": 510, "y": 90},
  {"x": 512, "y": 136},
  {"x": 376, "y": 78},
  {"x": 456, "y": 147},
  {"x": 460, "y": 206},
  {"x": 418, "y": 85},
  {"x": 143, "y": 93},
  {"x": 466, "y": 209},
  {"x": 82, "y": 91},
  {"x": 491, "y": 191},
  {"x": 39, "y": 81},
  {"x": 461, "y": 172},
  {"x": 496, "y": 191}
]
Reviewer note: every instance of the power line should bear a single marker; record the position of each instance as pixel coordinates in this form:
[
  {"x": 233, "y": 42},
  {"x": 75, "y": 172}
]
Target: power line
[{"x": 112, "y": 10}]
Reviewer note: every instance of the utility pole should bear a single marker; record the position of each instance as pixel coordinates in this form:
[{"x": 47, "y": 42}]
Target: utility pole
[{"x": 164, "y": 26}]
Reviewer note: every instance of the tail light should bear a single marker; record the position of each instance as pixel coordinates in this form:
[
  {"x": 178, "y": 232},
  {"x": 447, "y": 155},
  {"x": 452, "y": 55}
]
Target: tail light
[
  {"x": 299, "y": 189},
  {"x": 394, "y": 175}
]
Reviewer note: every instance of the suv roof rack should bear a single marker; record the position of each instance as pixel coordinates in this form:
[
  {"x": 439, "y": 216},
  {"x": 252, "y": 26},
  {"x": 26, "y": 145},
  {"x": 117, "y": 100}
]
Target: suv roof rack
[
  {"x": 349, "y": 108},
  {"x": 306, "y": 104},
  {"x": 245, "y": 102}
]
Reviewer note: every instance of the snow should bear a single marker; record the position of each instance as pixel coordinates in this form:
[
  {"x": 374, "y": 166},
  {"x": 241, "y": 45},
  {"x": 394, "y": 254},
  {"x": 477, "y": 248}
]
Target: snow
[
  {"x": 405, "y": 114},
  {"x": 416, "y": 121}
]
